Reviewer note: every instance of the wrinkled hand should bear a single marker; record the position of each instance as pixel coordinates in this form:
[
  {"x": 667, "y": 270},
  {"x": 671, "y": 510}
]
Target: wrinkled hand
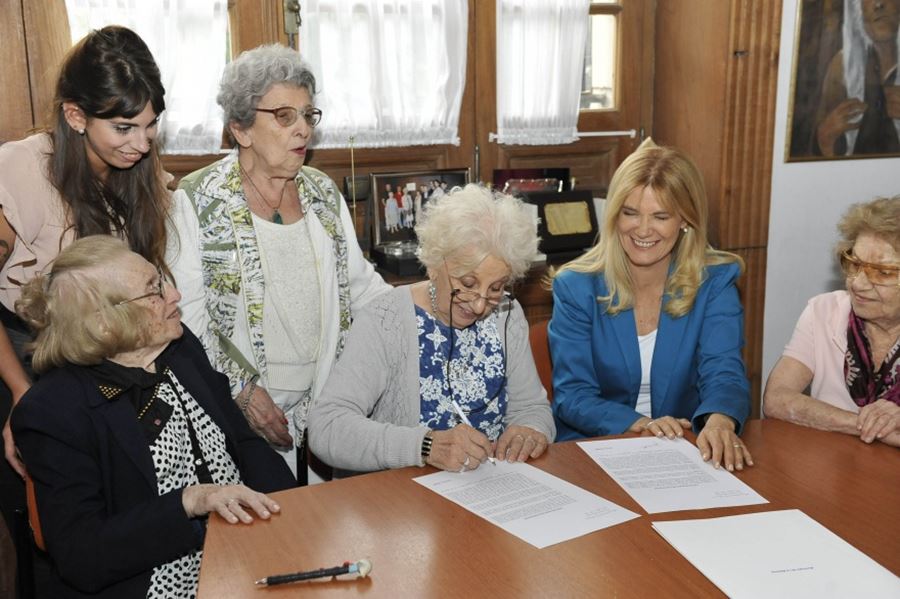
[
  {"x": 665, "y": 426},
  {"x": 892, "y": 100},
  {"x": 518, "y": 443},
  {"x": 845, "y": 116},
  {"x": 460, "y": 448},
  {"x": 267, "y": 419},
  {"x": 229, "y": 501},
  {"x": 719, "y": 444},
  {"x": 877, "y": 420},
  {"x": 9, "y": 450}
]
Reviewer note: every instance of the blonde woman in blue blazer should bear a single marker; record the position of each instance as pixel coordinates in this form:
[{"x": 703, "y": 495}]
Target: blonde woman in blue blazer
[{"x": 647, "y": 326}]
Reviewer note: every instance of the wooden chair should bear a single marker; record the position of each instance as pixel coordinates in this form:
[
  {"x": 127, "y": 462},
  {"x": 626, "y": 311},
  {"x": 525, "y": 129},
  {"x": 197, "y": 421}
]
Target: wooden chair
[
  {"x": 540, "y": 349},
  {"x": 33, "y": 518}
]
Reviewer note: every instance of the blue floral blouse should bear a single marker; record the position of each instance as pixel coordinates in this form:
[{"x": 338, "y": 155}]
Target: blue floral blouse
[{"x": 477, "y": 374}]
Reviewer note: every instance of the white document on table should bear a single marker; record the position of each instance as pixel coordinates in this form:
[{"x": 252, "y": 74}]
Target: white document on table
[
  {"x": 777, "y": 554},
  {"x": 527, "y": 502},
  {"x": 668, "y": 475}
]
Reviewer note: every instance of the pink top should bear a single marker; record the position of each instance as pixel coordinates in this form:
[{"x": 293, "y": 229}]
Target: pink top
[
  {"x": 820, "y": 342},
  {"x": 34, "y": 209}
]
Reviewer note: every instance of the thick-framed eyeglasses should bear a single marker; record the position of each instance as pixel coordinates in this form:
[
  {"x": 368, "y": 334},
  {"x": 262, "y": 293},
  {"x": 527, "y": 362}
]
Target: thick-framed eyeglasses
[
  {"x": 159, "y": 289},
  {"x": 467, "y": 296},
  {"x": 287, "y": 115},
  {"x": 883, "y": 275}
]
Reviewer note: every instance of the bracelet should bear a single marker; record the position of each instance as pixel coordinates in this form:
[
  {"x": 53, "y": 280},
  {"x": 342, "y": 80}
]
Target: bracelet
[
  {"x": 427, "y": 440},
  {"x": 250, "y": 387}
]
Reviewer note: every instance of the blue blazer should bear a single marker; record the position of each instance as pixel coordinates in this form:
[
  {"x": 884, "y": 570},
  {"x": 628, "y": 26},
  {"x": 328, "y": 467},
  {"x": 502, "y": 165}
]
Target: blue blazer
[
  {"x": 697, "y": 367},
  {"x": 104, "y": 522}
]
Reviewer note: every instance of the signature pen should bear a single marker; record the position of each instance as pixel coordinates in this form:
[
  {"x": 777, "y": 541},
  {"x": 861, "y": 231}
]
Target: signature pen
[
  {"x": 361, "y": 567},
  {"x": 465, "y": 420}
]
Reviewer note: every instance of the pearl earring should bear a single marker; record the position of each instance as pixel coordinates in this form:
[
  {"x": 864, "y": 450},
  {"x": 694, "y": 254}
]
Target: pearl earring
[
  {"x": 685, "y": 229},
  {"x": 80, "y": 131}
]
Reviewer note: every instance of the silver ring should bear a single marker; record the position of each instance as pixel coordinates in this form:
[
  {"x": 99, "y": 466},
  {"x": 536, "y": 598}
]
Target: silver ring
[
  {"x": 466, "y": 462},
  {"x": 230, "y": 501},
  {"x": 462, "y": 469}
]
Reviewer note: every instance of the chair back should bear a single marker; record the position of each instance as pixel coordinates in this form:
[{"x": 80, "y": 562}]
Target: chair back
[{"x": 540, "y": 349}]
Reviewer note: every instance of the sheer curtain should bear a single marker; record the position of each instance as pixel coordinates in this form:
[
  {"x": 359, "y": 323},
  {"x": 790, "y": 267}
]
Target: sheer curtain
[
  {"x": 540, "y": 59},
  {"x": 188, "y": 41},
  {"x": 389, "y": 72}
]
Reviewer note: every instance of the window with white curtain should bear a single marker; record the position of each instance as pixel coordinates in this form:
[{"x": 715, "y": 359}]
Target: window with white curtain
[
  {"x": 188, "y": 41},
  {"x": 540, "y": 67},
  {"x": 389, "y": 72}
]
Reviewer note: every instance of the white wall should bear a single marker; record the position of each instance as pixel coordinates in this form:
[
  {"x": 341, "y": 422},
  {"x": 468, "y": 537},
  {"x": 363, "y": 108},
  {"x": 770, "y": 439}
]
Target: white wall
[{"x": 808, "y": 199}]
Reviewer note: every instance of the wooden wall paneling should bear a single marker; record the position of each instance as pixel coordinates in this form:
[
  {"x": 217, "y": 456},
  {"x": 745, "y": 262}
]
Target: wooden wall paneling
[
  {"x": 254, "y": 23},
  {"x": 15, "y": 101},
  {"x": 752, "y": 288},
  {"x": 690, "y": 80},
  {"x": 48, "y": 39},
  {"x": 746, "y": 172},
  {"x": 749, "y": 130},
  {"x": 716, "y": 73}
]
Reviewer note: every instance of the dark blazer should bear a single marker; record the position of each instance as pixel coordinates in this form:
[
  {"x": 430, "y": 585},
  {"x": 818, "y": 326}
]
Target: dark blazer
[
  {"x": 697, "y": 368},
  {"x": 105, "y": 525}
]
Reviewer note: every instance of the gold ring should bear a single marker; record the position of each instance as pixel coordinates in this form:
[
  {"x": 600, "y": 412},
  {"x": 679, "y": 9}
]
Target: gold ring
[{"x": 738, "y": 445}]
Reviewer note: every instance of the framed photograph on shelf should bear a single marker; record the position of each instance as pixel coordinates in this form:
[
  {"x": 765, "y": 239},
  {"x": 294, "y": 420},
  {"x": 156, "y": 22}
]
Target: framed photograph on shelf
[{"x": 397, "y": 201}]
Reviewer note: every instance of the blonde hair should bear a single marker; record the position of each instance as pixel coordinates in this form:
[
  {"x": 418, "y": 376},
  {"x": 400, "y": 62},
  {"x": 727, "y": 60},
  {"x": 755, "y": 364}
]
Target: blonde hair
[
  {"x": 679, "y": 187},
  {"x": 469, "y": 224},
  {"x": 880, "y": 217},
  {"x": 74, "y": 309}
]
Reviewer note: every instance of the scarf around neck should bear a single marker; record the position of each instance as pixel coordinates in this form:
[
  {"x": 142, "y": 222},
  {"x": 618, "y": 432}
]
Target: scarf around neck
[{"x": 865, "y": 384}]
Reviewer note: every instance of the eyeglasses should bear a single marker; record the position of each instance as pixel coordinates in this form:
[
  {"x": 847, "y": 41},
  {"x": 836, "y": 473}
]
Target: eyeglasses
[
  {"x": 158, "y": 291},
  {"x": 878, "y": 274},
  {"x": 467, "y": 296},
  {"x": 287, "y": 115}
]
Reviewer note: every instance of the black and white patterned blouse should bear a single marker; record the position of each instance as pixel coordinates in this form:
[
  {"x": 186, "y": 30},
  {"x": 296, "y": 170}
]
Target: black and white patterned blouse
[{"x": 173, "y": 462}]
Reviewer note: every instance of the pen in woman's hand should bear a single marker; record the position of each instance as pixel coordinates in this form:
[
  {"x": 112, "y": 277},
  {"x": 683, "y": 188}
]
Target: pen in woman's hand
[{"x": 465, "y": 420}]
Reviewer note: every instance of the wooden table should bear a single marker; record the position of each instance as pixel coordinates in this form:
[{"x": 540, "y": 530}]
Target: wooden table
[{"x": 422, "y": 545}]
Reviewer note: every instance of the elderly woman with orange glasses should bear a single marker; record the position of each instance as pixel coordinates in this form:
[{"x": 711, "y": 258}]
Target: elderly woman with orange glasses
[{"x": 846, "y": 346}]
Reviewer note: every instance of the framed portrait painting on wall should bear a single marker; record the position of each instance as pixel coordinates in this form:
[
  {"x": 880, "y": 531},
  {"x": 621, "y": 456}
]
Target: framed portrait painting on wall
[{"x": 845, "y": 86}]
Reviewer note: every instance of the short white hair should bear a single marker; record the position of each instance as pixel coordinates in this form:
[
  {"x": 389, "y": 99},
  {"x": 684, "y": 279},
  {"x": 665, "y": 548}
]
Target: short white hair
[{"x": 470, "y": 223}]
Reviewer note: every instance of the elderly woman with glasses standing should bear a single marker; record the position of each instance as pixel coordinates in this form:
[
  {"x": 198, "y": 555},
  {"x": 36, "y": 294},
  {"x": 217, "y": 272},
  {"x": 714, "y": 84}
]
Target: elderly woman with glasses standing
[
  {"x": 441, "y": 372},
  {"x": 846, "y": 346},
  {"x": 264, "y": 251}
]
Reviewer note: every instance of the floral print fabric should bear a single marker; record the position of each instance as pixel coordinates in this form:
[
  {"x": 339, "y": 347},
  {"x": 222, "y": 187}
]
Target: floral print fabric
[{"x": 477, "y": 374}]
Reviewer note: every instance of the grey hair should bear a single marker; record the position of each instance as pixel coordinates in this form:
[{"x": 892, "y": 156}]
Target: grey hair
[
  {"x": 469, "y": 224},
  {"x": 252, "y": 74}
]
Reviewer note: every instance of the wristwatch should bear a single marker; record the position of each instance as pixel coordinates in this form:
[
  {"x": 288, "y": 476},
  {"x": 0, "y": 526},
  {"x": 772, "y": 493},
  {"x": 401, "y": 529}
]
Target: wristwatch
[{"x": 427, "y": 440}]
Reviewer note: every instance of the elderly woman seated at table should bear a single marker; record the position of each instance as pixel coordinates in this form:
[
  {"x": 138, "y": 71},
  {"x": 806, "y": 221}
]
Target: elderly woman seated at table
[
  {"x": 130, "y": 436},
  {"x": 441, "y": 372},
  {"x": 845, "y": 351}
]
